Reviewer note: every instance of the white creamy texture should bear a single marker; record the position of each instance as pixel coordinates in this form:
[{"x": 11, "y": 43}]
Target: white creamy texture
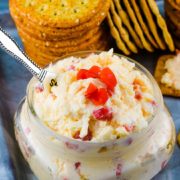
[
  {"x": 172, "y": 77},
  {"x": 66, "y": 110}
]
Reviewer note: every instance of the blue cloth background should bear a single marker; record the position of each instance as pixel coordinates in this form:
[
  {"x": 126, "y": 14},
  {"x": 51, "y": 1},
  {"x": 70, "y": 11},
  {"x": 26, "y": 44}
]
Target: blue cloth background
[{"x": 13, "y": 80}]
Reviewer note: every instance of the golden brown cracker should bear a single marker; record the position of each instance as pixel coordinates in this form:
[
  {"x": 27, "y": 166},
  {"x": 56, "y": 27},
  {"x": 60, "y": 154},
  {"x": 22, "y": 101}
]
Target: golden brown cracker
[
  {"x": 159, "y": 72},
  {"x": 123, "y": 32},
  {"x": 115, "y": 35},
  {"x": 59, "y": 44},
  {"x": 174, "y": 4},
  {"x": 143, "y": 24},
  {"x": 46, "y": 32},
  {"x": 59, "y": 13},
  {"x": 152, "y": 24},
  {"x": 162, "y": 24},
  {"x": 172, "y": 15},
  {"x": 59, "y": 51},
  {"x": 126, "y": 22},
  {"x": 137, "y": 27}
]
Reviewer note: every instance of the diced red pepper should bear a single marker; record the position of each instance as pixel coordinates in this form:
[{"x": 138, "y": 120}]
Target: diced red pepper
[
  {"x": 91, "y": 90},
  {"x": 118, "y": 170},
  {"x": 39, "y": 89},
  {"x": 100, "y": 97},
  {"x": 103, "y": 114},
  {"x": 108, "y": 77},
  {"x": 95, "y": 70},
  {"x": 138, "y": 95},
  {"x": 85, "y": 74},
  {"x": 129, "y": 128},
  {"x": 88, "y": 137},
  {"x": 77, "y": 165}
]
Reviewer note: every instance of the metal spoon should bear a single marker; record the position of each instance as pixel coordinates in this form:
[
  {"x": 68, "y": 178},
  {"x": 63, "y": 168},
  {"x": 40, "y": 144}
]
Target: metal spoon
[{"x": 9, "y": 45}]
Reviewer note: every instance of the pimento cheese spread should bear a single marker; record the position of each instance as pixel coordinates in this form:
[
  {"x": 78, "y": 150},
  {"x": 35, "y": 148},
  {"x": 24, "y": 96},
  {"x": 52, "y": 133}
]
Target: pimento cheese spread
[
  {"x": 172, "y": 77},
  {"x": 98, "y": 98}
]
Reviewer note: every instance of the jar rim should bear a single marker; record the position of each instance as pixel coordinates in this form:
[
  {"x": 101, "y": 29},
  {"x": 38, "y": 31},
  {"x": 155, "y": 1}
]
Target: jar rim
[{"x": 142, "y": 69}]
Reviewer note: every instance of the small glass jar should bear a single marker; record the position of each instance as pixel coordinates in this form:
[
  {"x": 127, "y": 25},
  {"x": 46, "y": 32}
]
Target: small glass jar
[{"x": 140, "y": 155}]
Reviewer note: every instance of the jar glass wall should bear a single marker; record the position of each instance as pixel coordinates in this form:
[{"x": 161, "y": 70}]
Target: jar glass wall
[{"x": 140, "y": 155}]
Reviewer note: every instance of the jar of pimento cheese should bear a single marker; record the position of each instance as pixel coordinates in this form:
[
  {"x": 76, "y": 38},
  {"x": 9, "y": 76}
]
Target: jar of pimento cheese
[{"x": 136, "y": 155}]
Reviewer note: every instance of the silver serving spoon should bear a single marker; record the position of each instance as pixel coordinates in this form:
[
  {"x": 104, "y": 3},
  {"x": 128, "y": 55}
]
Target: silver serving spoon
[{"x": 9, "y": 45}]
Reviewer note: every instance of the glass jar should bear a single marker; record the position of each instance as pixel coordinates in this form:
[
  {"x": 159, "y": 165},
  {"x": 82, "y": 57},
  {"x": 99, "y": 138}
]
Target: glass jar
[{"x": 140, "y": 155}]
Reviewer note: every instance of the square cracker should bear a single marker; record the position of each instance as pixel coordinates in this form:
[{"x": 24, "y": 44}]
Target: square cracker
[{"x": 159, "y": 71}]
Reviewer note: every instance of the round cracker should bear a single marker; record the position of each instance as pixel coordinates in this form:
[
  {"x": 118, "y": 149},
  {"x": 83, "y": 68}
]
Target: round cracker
[
  {"x": 152, "y": 24},
  {"x": 159, "y": 72},
  {"x": 123, "y": 32},
  {"x": 58, "y": 44},
  {"x": 48, "y": 32},
  {"x": 126, "y": 22},
  {"x": 58, "y": 51},
  {"x": 115, "y": 35},
  {"x": 143, "y": 25},
  {"x": 58, "y": 13},
  {"x": 162, "y": 24},
  {"x": 137, "y": 27}
]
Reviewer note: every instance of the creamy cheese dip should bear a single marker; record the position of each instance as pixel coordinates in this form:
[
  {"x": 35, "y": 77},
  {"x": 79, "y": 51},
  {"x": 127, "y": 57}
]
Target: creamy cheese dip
[
  {"x": 172, "y": 77},
  {"x": 68, "y": 110}
]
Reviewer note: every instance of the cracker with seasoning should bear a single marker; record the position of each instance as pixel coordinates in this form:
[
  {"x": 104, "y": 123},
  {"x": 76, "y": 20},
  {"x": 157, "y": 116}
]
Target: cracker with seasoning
[{"x": 167, "y": 74}]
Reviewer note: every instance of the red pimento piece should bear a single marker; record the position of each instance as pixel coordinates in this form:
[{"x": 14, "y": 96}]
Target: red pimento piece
[
  {"x": 118, "y": 170},
  {"x": 85, "y": 74},
  {"x": 77, "y": 165},
  {"x": 129, "y": 128},
  {"x": 91, "y": 90},
  {"x": 88, "y": 137},
  {"x": 39, "y": 89},
  {"x": 95, "y": 70},
  {"x": 108, "y": 77},
  {"x": 100, "y": 97},
  {"x": 138, "y": 95},
  {"x": 103, "y": 114},
  {"x": 71, "y": 67}
]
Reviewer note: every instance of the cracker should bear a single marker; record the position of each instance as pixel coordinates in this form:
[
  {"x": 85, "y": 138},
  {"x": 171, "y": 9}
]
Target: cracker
[
  {"x": 116, "y": 36},
  {"x": 123, "y": 32},
  {"x": 59, "y": 13},
  {"x": 168, "y": 7},
  {"x": 126, "y": 22},
  {"x": 143, "y": 24},
  {"x": 159, "y": 72},
  {"x": 45, "y": 32},
  {"x": 137, "y": 27},
  {"x": 172, "y": 15},
  {"x": 62, "y": 50},
  {"x": 174, "y": 30},
  {"x": 173, "y": 4},
  {"x": 162, "y": 24},
  {"x": 58, "y": 44},
  {"x": 152, "y": 24}
]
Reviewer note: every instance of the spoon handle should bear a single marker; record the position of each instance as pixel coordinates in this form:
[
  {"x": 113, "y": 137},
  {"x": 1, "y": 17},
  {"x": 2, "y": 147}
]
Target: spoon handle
[{"x": 9, "y": 45}]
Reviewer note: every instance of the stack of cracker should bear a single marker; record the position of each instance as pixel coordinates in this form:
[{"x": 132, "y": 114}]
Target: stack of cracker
[
  {"x": 52, "y": 28},
  {"x": 172, "y": 11},
  {"x": 138, "y": 25}
]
